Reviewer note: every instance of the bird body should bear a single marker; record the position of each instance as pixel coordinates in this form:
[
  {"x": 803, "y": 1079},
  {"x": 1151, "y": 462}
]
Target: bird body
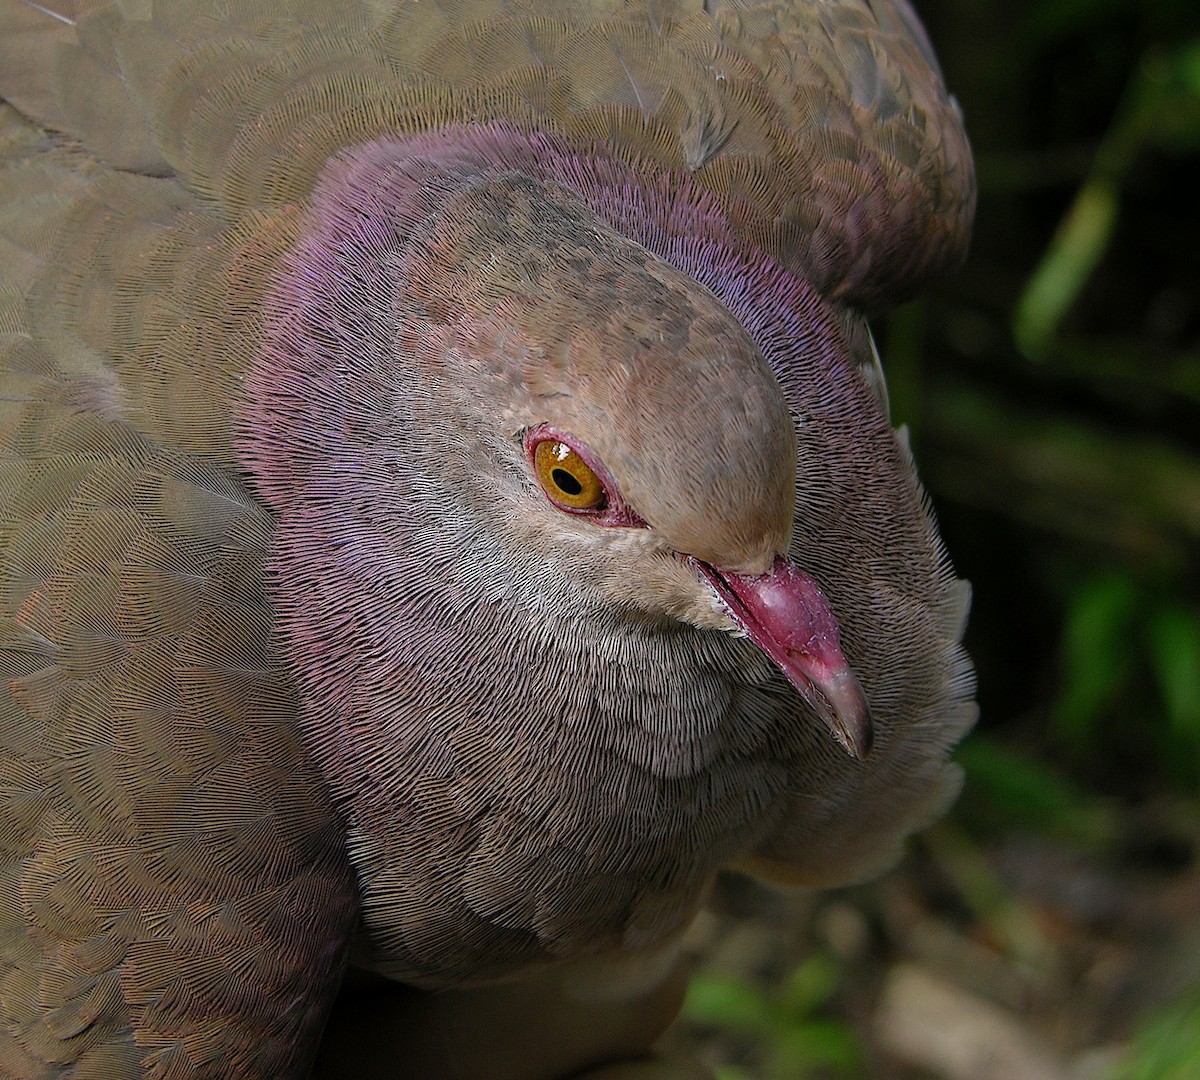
[{"x": 447, "y": 499}]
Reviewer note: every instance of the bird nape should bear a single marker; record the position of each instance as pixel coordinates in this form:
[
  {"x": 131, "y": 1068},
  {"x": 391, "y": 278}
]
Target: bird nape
[{"x": 450, "y": 513}]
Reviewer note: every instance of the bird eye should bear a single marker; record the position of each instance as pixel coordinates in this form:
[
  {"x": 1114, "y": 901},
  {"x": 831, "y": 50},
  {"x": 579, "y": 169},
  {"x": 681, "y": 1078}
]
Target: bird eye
[{"x": 567, "y": 478}]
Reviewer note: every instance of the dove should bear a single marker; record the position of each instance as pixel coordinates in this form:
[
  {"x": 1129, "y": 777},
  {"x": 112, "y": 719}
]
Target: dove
[{"x": 449, "y": 512}]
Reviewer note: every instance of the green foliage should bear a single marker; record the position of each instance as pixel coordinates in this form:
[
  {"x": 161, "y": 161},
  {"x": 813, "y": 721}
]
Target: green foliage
[
  {"x": 1097, "y": 655},
  {"x": 1174, "y": 633},
  {"x": 785, "y": 1022},
  {"x": 1069, "y": 489},
  {"x": 1009, "y": 789},
  {"x": 1161, "y": 106},
  {"x": 1167, "y": 1044},
  {"x": 1131, "y": 657},
  {"x": 1052, "y": 388}
]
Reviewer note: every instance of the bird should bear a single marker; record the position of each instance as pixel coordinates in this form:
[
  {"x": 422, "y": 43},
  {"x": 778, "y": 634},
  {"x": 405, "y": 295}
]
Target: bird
[{"x": 449, "y": 512}]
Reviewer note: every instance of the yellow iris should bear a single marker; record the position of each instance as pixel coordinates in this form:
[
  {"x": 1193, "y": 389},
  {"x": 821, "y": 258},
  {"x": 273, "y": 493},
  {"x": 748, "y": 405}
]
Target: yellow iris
[{"x": 566, "y": 477}]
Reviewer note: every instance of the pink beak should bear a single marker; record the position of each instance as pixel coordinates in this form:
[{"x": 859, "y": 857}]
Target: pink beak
[{"x": 786, "y": 615}]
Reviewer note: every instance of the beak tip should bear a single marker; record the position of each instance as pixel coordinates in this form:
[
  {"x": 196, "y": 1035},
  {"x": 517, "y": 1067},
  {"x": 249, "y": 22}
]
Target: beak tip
[
  {"x": 846, "y": 712},
  {"x": 856, "y": 734}
]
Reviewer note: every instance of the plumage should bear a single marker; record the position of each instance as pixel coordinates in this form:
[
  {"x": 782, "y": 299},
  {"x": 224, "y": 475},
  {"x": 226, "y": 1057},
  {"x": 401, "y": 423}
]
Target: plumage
[{"x": 448, "y": 508}]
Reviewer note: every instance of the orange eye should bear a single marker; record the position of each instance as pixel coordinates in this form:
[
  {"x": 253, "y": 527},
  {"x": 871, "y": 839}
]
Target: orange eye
[{"x": 566, "y": 477}]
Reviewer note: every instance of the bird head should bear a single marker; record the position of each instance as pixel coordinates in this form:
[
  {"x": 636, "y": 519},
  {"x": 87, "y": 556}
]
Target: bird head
[{"x": 643, "y": 406}]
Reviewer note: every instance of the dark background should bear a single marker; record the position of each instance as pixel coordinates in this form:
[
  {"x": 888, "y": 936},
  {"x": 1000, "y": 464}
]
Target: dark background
[{"x": 1050, "y": 927}]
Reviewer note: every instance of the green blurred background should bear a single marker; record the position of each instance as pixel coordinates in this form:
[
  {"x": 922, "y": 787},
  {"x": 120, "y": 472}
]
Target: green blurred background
[{"x": 1052, "y": 389}]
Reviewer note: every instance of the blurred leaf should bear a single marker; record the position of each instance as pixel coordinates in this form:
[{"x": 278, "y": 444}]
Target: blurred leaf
[
  {"x": 1167, "y": 1047},
  {"x": 1158, "y": 101},
  {"x": 1189, "y": 66},
  {"x": 1075, "y": 249},
  {"x": 1061, "y": 474},
  {"x": 810, "y": 986},
  {"x": 779, "y": 1019},
  {"x": 1175, "y": 652},
  {"x": 1175, "y": 124},
  {"x": 727, "y": 1003},
  {"x": 1055, "y": 18},
  {"x": 1007, "y": 789},
  {"x": 1120, "y": 369},
  {"x": 1099, "y": 642},
  {"x": 732, "y": 1072},
  {"x": 826, "y": 1045}
]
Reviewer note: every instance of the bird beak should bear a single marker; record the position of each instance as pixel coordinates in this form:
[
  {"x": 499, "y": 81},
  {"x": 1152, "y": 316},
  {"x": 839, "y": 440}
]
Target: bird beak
[{"x": 786, "y": 615}]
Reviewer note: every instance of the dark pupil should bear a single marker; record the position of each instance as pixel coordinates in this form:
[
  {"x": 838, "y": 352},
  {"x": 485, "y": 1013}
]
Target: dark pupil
[{"x": 566, "y": 482}]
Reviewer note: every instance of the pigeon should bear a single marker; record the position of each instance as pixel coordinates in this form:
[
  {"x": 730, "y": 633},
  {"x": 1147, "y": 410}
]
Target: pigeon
[{"x": 449, "y": 512}]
